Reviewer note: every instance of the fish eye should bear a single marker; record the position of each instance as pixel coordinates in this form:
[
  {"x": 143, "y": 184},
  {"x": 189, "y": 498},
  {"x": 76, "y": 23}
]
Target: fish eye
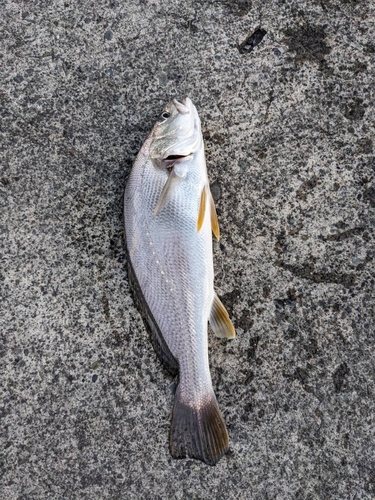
[{"x": 165, "y": 115}]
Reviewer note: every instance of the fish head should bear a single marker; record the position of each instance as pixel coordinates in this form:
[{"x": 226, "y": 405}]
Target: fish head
[{"x": 177, "y": 134}]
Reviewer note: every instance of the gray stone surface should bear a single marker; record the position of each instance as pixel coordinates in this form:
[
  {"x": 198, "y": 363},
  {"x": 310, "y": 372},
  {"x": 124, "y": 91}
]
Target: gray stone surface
[{"x": 288, "y": 121}]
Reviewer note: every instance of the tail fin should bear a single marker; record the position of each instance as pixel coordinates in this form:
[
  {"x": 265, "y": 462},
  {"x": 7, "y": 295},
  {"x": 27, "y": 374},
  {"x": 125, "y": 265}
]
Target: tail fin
[{"x": 198, "y": 431}]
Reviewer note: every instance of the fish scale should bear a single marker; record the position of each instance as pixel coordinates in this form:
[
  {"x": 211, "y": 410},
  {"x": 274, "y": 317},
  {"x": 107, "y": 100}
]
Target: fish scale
[{"x": 169, "y": 252}]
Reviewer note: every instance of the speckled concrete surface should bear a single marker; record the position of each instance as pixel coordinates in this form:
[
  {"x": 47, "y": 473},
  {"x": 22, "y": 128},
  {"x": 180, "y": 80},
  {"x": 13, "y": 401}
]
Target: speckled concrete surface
[{"x": 288, "y": 120}]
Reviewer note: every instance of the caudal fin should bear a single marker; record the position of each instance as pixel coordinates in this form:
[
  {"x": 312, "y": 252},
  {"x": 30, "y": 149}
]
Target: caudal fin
[{"x": 198, "y": 431}]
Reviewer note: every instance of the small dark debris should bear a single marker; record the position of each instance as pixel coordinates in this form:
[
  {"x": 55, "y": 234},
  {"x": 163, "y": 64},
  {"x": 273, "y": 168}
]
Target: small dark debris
[
  {"x": 108, "y": 35},
  {"x": 252, "y": 41},
  {"x": 94, "y": 378}
]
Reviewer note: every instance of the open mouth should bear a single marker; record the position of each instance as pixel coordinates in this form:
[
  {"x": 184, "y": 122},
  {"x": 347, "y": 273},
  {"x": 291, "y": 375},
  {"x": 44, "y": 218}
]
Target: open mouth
[
  {"x": 171, "y": 160},
  {"x": 175, "y": 157}
]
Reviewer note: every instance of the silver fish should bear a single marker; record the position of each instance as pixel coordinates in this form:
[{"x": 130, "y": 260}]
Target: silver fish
[{"x": 169, "y": 214}]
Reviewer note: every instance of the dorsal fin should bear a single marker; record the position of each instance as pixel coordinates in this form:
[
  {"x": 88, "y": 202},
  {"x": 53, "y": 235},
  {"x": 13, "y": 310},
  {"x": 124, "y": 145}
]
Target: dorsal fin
[{"x": 202, "y": 208}]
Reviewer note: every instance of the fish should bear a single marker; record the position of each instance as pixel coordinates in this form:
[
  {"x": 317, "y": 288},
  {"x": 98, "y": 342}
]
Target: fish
[{"x": 169, "y": 218}]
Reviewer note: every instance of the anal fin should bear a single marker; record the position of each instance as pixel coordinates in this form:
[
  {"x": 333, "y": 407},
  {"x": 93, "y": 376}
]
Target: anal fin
[
  {"x": 198, "y": 431},
  {"x": 220, "y": 321}
]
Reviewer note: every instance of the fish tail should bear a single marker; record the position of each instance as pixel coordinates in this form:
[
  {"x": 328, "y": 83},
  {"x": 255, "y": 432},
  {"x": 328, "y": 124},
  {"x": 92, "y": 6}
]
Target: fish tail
[{"x": 198, "y": 431}]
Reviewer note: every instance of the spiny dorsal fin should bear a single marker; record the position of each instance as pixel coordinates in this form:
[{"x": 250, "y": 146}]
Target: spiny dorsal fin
[
  {"x": 214, "y": 221},
  {"x": 220, "y": 321},
  {"x": 202, "y": 208}
]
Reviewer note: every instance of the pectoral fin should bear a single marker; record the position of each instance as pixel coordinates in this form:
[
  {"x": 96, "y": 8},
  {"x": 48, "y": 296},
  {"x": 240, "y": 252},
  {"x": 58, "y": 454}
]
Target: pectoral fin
[
  {"x": 214, "y": 221},
  {"x": 219, "y": 320},
  {"x": 178, "y": 173},
  {"x": 202, "y": 208}
]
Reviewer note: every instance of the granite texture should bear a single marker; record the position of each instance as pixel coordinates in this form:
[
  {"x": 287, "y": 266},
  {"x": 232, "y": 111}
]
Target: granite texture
[{"x": 285, "y": 91}]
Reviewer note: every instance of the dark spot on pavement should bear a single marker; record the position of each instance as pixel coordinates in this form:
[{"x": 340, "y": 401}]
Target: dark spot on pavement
[
  {"x": 307, "y": 271},
  {"x": 105, "y": 304},
  {"x": 339, "y": 376},
  {"x": 307, "y": 42},
  {"x": 253, "y": 344},
  {"x": 355, "y": 110},
  {"x": 245, "y": 322},
  {"x": 239, "y": 7},
  {"x": 18, "y": 78},
  {"x": 369, "y": 196},
  {"x": 215, "y": 191},
  {"x": 307, "y": 186},
  {"x": 230, "y": 299}
]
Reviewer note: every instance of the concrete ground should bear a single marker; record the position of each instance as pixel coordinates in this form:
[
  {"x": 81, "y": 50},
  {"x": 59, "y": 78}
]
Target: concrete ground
[{"x": 285, "y": 91}]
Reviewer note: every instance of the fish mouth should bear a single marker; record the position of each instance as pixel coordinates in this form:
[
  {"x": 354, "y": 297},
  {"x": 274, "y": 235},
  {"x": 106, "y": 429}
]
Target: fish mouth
[
  {"x": 175, "y": 157},
  {"x": 171, "y": 160},
  {"x": 182, "y": 107}
]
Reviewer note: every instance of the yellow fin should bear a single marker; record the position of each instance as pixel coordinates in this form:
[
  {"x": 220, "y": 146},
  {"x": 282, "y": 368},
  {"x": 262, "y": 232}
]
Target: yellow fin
[
  {"x": 220, "y": 321},
  {"x": 202, "y": 209},
  {"x": 214, "y": 222}
]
